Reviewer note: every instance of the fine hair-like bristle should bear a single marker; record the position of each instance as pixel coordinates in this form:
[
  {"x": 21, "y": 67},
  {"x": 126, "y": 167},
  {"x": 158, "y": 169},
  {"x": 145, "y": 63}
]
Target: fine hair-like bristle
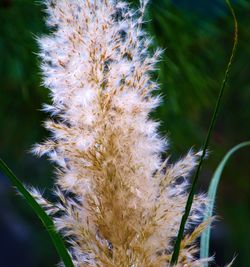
[{"x": 119, "y": 203}]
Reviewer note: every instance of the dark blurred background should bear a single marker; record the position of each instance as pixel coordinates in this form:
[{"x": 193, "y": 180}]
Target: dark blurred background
[{"x": 197, "y": 37}]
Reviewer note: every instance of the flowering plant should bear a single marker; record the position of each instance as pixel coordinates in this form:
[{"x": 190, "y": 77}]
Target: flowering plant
[{"x": 119, "y": 203}]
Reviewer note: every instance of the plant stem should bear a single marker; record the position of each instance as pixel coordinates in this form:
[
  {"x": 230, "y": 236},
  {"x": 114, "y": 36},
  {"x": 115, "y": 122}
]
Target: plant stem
[{"x": 175, "y": 256}]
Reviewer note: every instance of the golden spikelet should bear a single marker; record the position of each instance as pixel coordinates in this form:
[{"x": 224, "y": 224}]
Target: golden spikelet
[{"x": 119, "y": 204}]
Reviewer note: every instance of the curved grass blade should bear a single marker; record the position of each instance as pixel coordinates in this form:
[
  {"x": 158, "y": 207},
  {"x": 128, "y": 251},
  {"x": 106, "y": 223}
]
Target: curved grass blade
[
  {"x": 175, "y": 256},
  {"x": 205, "y": 237},
  {"x": 46, "y": 220}
]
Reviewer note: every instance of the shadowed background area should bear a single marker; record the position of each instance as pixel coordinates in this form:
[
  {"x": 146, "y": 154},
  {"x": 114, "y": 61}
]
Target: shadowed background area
[{"x": 197, "y": 39}]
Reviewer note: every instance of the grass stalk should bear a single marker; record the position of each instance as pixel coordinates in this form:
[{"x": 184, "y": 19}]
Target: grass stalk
[
  {"x": 175, "y": 255},
  {"x": 46, "y": 220}
]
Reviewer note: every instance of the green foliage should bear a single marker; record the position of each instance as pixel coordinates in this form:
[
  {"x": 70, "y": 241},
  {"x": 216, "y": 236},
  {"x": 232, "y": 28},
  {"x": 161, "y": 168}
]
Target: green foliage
[
  {"x": 21, "y": 94},
  {"x": 174, "y": 259},
  {"x": 197, "y": 42},
  {"x": 196, "y": 48},
  {"x": 205, "y": 237},
  {"x": 46, "y": 220}
]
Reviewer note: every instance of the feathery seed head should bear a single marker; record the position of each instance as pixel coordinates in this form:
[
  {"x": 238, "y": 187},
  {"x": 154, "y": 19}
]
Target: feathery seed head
[{"x": 118, "y": 203}]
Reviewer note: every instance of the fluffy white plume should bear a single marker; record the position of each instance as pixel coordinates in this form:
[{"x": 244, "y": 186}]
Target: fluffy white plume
[{"x": 119, "y": 204}]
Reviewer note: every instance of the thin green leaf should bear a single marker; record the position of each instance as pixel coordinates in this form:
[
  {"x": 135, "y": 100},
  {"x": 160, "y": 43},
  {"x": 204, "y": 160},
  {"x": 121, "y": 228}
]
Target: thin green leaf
[
  {"x": 46, "y": 220},
  {"x": 175, "y": 256},
  {"x": 205, "y": 237}
]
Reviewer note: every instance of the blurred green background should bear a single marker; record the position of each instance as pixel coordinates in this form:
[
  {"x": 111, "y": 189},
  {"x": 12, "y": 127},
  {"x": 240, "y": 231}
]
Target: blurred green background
[{"x": 197, "y": 37}]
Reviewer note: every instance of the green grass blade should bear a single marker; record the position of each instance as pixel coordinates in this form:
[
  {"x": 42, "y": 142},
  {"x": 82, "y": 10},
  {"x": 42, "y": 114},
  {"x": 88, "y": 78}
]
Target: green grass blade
[
  {"x": 46, "y": 220},
  {"x": 205, "y": 237},
  {"x": 175, "y": 256}
]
